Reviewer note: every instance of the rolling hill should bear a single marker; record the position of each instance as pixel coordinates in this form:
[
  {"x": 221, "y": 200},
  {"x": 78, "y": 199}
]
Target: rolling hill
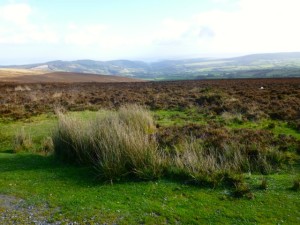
[
  {"x": 255, "y": 65},
  {"x": 40, "y": 76}
]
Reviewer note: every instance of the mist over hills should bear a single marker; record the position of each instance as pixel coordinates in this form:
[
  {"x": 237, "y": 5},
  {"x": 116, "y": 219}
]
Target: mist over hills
[{"x": 255, "y": 65}]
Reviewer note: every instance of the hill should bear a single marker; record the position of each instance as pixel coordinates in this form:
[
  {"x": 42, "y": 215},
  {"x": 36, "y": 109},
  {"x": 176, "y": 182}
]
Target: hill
[
  {"x": 38, "y": 76},
  {"x": 255, "y": 65}
]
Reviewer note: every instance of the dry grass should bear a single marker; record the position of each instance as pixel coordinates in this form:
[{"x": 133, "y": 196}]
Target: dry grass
[
  {"x": 48, "y": 76},
  {"x": 207, "y": 164},
  {"x": 22, "y": 141},
  {"x": 124, "y": 143},
  {"x": 117, "y": 145},
  {"x": 7, "y": 72}
]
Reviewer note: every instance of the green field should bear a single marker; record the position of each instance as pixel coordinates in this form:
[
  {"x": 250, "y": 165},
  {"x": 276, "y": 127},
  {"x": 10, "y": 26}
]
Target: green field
[{"x": 62, "y": 192}]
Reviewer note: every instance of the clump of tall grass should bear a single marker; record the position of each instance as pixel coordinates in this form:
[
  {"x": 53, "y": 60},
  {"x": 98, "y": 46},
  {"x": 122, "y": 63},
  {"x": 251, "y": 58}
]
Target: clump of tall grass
[
  {"x": 126, "y": 143},
  {"x": 232, "y": 117},
  {"x": 207, "y": 164},
  {"x": 210, "y": 164},
  {"x": 22, "y": 141},
  {"x": 47, "y": 145},
  {"x": 118, "y": 144}
]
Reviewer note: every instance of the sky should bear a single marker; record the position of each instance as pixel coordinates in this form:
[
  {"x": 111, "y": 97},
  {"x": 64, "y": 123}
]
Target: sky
[{"x": 33, "y": 31}]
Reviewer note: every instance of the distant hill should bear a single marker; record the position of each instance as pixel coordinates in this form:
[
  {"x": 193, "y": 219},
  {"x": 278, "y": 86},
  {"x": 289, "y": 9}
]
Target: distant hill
[
  {"x": 255, "y": 65},
  {"x": 35, "y": 76},
  {"x": 268, "y": 57}
]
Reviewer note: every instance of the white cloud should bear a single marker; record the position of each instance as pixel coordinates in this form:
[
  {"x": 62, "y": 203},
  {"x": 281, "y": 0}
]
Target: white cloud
[
  {"x": 16, "y": 13},
  {"x": 255, "y": 26},
  {"x": 258, "y": 25},
  {"x": 85, "y": 35},
  {"x": 17, "y": 28}
]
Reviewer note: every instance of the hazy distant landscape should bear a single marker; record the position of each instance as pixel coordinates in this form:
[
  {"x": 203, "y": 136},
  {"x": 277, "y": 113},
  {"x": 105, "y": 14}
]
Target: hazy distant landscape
[
  {"x": 249, "y": 66},
  {"x": 42, "y": 76}
]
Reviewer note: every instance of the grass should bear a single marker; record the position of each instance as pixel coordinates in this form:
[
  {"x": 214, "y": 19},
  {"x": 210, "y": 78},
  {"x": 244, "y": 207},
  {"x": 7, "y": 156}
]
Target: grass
[
  {"x": 124, "y": 144},
  {"x": 37, "y": 127},
  {"x": 117, "y": 144},
  {"x": 80, "y": 197},
  {"x": 8, "y": 72},
  {"x": 179, "y": 117},
  {"x": 280, "y": 127}
]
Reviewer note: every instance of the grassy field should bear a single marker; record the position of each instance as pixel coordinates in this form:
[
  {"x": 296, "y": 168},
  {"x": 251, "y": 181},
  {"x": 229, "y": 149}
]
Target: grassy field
[
  {"x": 64, "y": 192},
  {"x": 80, "y": 197}
]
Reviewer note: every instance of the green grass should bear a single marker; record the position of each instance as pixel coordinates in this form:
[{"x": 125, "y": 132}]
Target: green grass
[
  {"x": 178, "y": 117},
  {"x": 281, "y": 127},
  {"x": 38, "y": 127},
  {"x": 80, "y": 196}
]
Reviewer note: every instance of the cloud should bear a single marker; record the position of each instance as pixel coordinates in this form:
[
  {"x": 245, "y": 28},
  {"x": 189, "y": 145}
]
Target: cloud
[
  {"x": 257, "y": 25},
  {"x": 17, "y": 27},
  {"x": 85, "y": 35},
  {"x": 206, "y": 33},
  {"x": 16, "y": 13},
  {"x": 254, "y": 26},
  {"x": 249, "y": 26}
]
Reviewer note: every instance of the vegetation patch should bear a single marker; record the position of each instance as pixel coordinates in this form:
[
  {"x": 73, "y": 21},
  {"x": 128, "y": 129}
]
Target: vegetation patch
[
  {"x": 126, "y": 143},
  {"x": 207, "y": 152}
]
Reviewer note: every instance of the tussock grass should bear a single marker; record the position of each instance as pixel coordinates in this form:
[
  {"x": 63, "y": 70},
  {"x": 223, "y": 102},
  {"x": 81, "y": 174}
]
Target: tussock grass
[
  {"x": 204, "y": 164},
  {"x": 126, "y": 143},
  {"x": 22, "y": 141},
  {"x": 47, "y": 145},
  {"x": 119, "y": 144}
]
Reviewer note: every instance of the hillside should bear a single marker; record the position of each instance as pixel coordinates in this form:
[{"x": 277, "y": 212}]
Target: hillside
[
  {"x": 37, "y": 76},
  {"x": 256, "y": 65}
]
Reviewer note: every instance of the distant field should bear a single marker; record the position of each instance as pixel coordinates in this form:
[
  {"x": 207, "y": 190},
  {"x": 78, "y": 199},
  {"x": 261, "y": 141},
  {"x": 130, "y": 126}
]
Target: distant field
[
  {"x": 8, "y": 73},
  {"x": 41, "y": 76}
]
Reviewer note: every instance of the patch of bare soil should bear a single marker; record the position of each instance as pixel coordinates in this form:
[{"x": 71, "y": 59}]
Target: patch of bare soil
[{"x": 15, "y": 211}]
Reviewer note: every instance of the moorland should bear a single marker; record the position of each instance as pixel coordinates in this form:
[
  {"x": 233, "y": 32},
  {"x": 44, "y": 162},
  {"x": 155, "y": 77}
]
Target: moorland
[{"x": 176, "y": 152}]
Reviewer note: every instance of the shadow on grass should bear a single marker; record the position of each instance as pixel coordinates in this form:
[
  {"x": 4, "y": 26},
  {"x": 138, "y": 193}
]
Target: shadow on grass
[
  {"x": 48, "y": 167},
  {"x": 15, "y": 163},
  {"x": 55, "y": 169},
  {"x": 10, "y": 151}
]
